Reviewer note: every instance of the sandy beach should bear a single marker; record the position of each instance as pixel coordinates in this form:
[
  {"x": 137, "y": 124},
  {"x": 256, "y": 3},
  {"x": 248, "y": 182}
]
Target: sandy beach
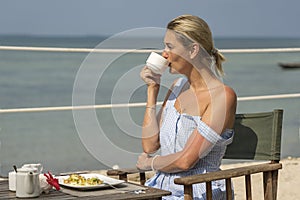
[{"x": 288, "y": 182}]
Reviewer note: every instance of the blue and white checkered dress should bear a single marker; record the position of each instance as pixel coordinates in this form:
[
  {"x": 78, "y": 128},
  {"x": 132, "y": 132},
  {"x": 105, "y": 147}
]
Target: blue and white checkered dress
[{"x": 174, "y": 133}]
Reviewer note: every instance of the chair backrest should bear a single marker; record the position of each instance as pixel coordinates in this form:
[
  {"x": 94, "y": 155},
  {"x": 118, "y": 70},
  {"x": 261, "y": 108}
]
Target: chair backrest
[{"x": 257, "y": 136}]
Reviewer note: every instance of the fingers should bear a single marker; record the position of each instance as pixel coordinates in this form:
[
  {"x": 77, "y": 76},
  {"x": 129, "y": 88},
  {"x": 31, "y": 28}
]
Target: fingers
[
  {"x": 149, "y": 77},
  {"x": 146, "y": 73},
  {"x": 145, "y": 154},
  {"x": 141, "y": 162}
]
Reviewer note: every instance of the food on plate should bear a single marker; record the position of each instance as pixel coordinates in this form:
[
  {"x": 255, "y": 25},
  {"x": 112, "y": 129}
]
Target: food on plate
[{"x": 76, "y": 179}]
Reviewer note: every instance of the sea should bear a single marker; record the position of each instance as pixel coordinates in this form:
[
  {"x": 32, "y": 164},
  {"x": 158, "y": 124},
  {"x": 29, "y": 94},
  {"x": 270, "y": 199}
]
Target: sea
[{"x": 93, "y": 139}]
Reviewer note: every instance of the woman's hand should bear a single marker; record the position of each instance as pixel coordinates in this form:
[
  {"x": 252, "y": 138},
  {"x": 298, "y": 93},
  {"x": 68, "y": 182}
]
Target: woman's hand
[
  {"x": 144, "y": 162},
  {"x": 149, "y": 77}
]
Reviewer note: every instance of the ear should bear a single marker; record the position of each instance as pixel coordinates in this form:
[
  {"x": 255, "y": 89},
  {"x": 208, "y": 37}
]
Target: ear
[{"x": 194, "y": 50}]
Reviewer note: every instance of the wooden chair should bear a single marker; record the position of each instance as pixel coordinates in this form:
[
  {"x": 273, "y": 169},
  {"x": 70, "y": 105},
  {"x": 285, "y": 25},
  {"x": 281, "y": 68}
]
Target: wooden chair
[{"x": 257, "y": 137}]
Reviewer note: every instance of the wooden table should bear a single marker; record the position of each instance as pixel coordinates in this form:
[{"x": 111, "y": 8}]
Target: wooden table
[{"x": 150, "y": 193}]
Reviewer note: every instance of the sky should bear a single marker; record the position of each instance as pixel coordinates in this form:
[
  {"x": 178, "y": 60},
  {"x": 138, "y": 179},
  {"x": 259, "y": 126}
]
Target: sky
[{"x": 226, "y": 18}]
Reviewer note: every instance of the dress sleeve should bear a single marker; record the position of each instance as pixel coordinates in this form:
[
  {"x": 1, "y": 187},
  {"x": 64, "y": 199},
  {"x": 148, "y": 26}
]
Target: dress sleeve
[{"x": 207, "y": 132}]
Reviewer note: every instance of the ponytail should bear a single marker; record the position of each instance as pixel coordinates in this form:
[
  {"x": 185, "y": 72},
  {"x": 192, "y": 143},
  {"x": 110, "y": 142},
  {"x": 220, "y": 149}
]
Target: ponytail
[{"x": 220, "y": 58}]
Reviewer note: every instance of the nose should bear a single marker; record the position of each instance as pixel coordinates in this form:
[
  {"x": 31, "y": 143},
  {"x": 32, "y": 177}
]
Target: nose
[{"x": 165, "y": 54}]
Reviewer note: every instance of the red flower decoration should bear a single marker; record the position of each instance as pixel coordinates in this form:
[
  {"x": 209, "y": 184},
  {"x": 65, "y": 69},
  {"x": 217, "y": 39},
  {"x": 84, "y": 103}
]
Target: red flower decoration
[{"x": 52, "y": 181}]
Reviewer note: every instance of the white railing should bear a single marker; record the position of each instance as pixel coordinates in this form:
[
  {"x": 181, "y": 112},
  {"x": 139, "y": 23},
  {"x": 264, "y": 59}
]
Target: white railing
[
  {"x": 95, "y": 50},
  {"x": 65, "y": 108},
  {"x": 87, "y": 50}
]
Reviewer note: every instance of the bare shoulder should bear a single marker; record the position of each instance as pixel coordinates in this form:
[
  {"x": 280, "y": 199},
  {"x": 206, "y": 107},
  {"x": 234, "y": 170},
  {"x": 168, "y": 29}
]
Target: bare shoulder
[
  {"x": 230, "y": 93},
  {"x": 231, "y": 99},
  {"x": 227, "y": 92}
]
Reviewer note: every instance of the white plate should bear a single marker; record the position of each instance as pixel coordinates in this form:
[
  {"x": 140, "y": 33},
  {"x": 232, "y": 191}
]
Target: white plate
[{"x": 107, "y": 181}]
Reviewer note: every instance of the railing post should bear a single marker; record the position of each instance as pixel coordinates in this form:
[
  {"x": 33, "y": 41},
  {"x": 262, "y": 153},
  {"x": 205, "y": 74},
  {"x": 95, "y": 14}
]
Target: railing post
[
  {"x": 274, "y": 183},
  {"x": 123, "y": 177},
  {"x": 248, "y": 187},
  {"x": 267, "y": 178},
  {"x": 188, "y": 192},
  {"x": 228, "y": 189},
  {"x": 142, "y": 178},
  {"x": 208, "y": 191}
]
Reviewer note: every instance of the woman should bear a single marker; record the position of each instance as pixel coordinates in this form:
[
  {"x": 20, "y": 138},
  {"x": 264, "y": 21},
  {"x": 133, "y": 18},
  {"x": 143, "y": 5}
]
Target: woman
[{"x": 195, "y": 123}]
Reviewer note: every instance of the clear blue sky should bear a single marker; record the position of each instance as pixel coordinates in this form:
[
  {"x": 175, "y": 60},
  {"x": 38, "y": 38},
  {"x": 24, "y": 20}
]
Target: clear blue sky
[{"x": 227, "y": 18}]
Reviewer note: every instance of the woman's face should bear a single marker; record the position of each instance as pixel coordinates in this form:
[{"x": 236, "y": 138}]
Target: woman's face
[{"x": 176, "y": 53}]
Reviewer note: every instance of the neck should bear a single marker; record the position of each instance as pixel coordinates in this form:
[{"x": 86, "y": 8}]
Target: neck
[{"x": 202, "y": 79}]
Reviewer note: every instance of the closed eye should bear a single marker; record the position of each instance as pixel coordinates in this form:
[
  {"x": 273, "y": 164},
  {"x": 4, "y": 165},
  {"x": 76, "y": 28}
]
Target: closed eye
[{"x": 168, "y": 46}]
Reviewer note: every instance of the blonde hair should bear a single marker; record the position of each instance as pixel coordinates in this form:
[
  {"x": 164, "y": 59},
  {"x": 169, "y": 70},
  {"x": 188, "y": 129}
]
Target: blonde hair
[{"x": 191, "y": 29}]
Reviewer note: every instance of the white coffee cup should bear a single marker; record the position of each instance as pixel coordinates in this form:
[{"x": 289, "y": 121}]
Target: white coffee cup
[
  {"x": 12, "y": 181},
  {"x": 157, "y": 63}
]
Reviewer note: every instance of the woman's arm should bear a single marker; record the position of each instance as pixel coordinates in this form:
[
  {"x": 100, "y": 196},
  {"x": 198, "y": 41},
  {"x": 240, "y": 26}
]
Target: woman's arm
[
  {"x": 150, "y": 130},
  {"x": 151, "y": 123},
  {"x": 179, "y": 161}
]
